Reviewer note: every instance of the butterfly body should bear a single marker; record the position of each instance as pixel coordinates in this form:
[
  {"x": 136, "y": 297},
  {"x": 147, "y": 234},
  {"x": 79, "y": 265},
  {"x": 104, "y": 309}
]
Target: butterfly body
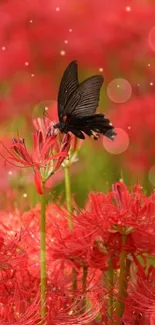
[{"x": 77, "y": 104}]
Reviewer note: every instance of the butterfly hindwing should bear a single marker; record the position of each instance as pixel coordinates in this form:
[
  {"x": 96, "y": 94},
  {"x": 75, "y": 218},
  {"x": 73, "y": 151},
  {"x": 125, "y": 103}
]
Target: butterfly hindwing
[
  {"x": 84, "y": 100},
  {"x": 99, "y": 124},
  {"x": 69, "y": 84},
  {"x": 95, "y": 124}
]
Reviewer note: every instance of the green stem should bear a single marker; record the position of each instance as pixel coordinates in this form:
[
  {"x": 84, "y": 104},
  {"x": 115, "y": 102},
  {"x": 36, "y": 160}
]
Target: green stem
[
  {"x": 74, "y": 278},
  {"x": 84, "y": 279},
  {"x": 43, "y": 253},
  {"x": 122, "y": 292},
  {"x": 84, "y": 286},
  {"x": 70, "y": 220},
  {"x": 68, "y": 196},
  {"x": 111, "y": 284}
]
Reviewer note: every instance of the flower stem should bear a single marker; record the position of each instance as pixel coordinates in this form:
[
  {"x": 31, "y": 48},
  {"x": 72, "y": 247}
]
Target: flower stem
[
  {"x": 43, "y": 253},
  {"x": 111, "y": 284},
  {"x": 70, "y": 220},
  {"x": 74, "y": 278},
  {"x": 122, "y": 292},
  {"x": 68, "y": 196},
  {"x": 84, "y": 285}
]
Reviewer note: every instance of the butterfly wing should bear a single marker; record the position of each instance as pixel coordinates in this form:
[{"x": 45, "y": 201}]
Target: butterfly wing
[
  {"x": 69, "y": 84},
  {"x": 98, "y": 124},
  {"x": 84, "y": 100}
]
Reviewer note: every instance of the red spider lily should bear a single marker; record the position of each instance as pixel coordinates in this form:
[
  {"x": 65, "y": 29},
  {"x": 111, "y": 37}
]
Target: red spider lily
[
  {"x": 43, "y": 154},
  {"x": 84, "y": 245},
  {"x": 19, "y": 297},
  {"x": 15, "y": 283},
  {"x": 96, "y": 237},
  {"x": 79, "y": 246},
  {"x": 98, "y": 231},
  {"x": 140, "y": 303},
  {"x": 74, "y": 146},
  {"x": 130, "y": 213}
]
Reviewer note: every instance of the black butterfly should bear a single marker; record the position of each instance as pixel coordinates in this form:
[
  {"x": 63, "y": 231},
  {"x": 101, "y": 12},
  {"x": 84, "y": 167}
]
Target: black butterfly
[{"x": 77, "y": 104}]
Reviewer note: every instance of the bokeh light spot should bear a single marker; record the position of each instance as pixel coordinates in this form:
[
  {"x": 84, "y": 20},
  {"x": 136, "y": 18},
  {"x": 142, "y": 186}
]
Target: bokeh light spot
[
  {"x": 66, "y": 41},
  {"x": 152, "y": 175},
  {"x": 100, "y": 69},
  {"x": 119, "y": 90},
  {"x": 151, "y": 38},
  {"x": 128, "y": 8},
  {"x": 62, "y": 52},
  {"x": 120, "y": 143}
]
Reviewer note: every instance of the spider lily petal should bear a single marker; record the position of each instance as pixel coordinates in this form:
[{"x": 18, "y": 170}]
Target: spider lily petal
[{"x": 47, "y": 145}]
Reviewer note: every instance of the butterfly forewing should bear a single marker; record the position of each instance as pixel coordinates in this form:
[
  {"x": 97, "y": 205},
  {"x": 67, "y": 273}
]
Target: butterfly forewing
[
  {"x": 68, "y": 85},
  {"x": 84, "y": 101}
]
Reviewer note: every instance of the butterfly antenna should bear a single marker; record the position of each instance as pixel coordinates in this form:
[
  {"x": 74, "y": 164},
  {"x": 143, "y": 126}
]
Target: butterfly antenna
[{"x": 45, "y": 114}]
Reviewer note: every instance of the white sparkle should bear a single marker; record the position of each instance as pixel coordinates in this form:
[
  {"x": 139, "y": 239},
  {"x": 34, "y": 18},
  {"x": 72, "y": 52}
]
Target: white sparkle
[
  {"x": 128, "y": 8},
  {"x": 32, "y": 75},
  {"x": 101, "y": 69},
  {"x": 66, "y": 41},
  {"x": 46, "y": 108},
  {"x": 70, "y": 30},
  {"x": 3, "y": 48},
  {"x": 31, "y": 21},
  {"x": 149, "y": 64},
  {"x": 129, "y": 127},
  {"x": 26, "y": 63},
  {"x": 25, "y": 195},
  {"x": 57, "y": 9},
  {"x": 10, "y": 172},
  {"x": 118, "y": 86},
  {"x": 62, "y": 53},
  {"x": 151, "y": 83}
]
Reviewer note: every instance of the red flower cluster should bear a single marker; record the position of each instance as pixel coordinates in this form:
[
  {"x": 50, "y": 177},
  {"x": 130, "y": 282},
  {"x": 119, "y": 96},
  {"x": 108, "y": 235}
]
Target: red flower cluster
[
  {"x": 114, "y": 224},
  {"x": 95, "y": 240},
  {"x": 19, "y": 278},
  {"x": 98, "y": 231}
]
